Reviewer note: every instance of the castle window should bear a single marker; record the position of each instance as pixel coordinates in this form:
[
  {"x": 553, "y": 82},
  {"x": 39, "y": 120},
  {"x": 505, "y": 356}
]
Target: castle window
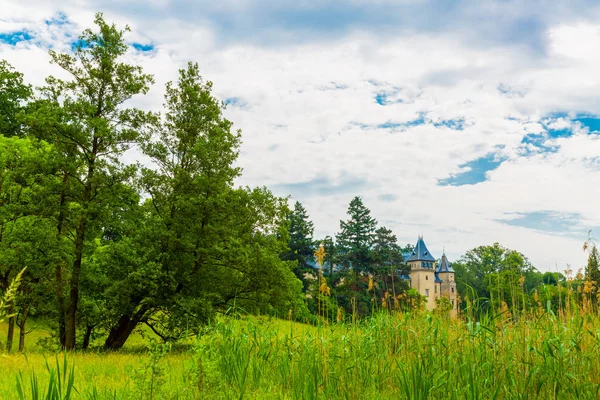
[
  {"x": 426, "y": 292},
  {"x": 452, "y": 303},
  {"x": 452, "y": 290},
  {"x": 426, "y": 277}
]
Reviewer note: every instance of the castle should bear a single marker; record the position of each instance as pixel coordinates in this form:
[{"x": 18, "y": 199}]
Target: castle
[{"x": 432, "y": 279}]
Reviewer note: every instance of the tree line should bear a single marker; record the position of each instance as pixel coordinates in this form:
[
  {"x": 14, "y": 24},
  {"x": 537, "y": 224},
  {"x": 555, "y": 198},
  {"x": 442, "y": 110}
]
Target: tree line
[{"x": 363, "y": 271}]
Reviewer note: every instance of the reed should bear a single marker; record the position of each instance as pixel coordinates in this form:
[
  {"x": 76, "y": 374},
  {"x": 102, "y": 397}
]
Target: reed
[{"x": 510, "y": 352}]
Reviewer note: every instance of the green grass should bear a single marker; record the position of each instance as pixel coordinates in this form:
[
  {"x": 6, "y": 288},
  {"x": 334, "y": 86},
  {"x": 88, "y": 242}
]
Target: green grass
[{"x": 401, "y": 356}]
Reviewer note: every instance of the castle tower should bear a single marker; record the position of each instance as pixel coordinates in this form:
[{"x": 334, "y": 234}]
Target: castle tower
[
  {"x": 422, "y": 273},
  {"x": 445, "y": 272}
]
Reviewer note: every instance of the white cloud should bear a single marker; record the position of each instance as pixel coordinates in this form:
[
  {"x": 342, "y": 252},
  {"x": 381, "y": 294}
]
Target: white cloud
[{"x": 310, "y": 113}]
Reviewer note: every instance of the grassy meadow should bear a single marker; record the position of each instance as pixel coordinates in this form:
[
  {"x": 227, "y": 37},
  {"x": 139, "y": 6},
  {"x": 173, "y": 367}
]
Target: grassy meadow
[{"x": 406, "y": 356}]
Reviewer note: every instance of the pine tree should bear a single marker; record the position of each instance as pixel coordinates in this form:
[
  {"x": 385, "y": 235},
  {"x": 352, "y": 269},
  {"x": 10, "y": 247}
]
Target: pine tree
[
  {"x": 592, "y": 271},
  {"x": 330, "y": 254},
  {"x": 386, "y": 251},
  {"x": 300, "y": 241},
  {"x": 356, "y": 237}
]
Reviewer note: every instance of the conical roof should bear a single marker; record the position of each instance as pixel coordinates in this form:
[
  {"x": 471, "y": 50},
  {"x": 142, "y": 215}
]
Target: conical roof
[
  {"x": 420, "y": 252},
  {"x": 444, "y": 265}
]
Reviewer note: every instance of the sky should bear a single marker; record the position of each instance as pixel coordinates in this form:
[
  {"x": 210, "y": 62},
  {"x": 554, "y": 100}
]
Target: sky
[{"x": 469, "y": 122}]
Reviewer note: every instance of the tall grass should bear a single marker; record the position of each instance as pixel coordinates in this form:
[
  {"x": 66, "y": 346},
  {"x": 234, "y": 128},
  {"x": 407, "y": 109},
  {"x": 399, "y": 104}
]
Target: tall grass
[
  {"x": 413, "y": 356},
  {"x": 418, "y": 355}
]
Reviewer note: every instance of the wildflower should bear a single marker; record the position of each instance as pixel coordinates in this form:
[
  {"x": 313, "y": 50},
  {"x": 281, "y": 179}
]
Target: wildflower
[
  {"x": 320, "y": 254},
  {"x": 588, "y": 286},
  {"x": 397, "y": 303},
  {"x": 385, "y": 299},
  {"x": 324, "y": 289}
]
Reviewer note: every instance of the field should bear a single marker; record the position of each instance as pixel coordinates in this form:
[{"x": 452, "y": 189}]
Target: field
[{"x": 411, "y": 356}]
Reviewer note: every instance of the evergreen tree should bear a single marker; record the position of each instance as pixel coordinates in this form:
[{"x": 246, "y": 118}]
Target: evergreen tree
[
  {"x": 300, "y": 243},
  {"x": 331, "y": 253},
  {"x": 592, "y": 270},
  {"x": 356, "y": 238},
  {"x": 386, "y": 252},
  {"x": 387, "y": 261}
]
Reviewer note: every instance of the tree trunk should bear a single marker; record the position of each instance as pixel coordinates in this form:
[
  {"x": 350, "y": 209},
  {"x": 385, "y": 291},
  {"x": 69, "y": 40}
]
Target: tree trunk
[
  {"x": 120, "y": 333},
  {"x": 58, "y": 273},
  {"x": 11, "y": 326},
  {"x": 62, "y": 332},
  {"x": 71, "y": 323},
  {"x": 86, "y": 338},
  {"x": 22, "y": 332}
]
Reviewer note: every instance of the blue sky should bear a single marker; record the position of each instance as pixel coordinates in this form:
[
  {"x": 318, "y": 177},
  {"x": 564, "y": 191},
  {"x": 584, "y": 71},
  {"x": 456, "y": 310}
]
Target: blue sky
[{"x": 468, "y": 122}]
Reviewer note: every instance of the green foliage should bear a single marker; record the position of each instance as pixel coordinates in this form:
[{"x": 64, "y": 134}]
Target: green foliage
[
  {"x": 61, "y": 383},
  {"x": 592, "y": 270},
  {"x": 488, "y": 270},
  {"x": 86, "y": 117},
  {"x": 13, "y": 96},
  {"x": 399, "y": 356},
  {"x": 300, "y": 243},
  {"x": 150, "y": 377},
  {"x": 356, "y": 237}
]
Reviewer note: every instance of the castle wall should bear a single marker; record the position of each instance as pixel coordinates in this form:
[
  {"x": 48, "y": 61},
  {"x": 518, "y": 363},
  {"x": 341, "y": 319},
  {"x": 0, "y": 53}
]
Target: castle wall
[
  {"x": 423, "y": 280},
  {"x": 448, "y": 289}
]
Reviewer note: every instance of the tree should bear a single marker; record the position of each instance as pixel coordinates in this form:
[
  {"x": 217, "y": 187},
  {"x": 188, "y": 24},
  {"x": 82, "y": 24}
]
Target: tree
[
  {"x": 487, "y": 272},
  {"x": 592, "y": 270},
  {"x": 354, "y": 245},
  {"x": 331, "y": 254},
  {"x": 386, "y": 252},
  {"x": 95, "y": 130},
  {"x": 300, "y": 244},
  {"x": 387, "y": 259},
  {"x": 14, "y": 95},
  {"x": 26, "y": 237},
  {"x": 356, "y": 238},
  {"x": 205, "y": 246}
]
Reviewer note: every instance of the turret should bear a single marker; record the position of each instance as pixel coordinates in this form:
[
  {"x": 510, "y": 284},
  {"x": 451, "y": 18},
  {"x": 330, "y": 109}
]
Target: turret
[
  {"x": 422, "y": 273},
  {"x": 445, "y": 272}
]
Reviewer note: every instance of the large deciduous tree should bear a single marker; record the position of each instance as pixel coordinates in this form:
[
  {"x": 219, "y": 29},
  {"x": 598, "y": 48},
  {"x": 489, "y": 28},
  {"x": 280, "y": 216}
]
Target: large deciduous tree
[
  {"x": 26, "y": 235},
  {"x": 204, "y": 246},
  {"x": 494, "y": 272},
  {"x": 94, "y": 131},
  {"x": 14, "y": 95}
]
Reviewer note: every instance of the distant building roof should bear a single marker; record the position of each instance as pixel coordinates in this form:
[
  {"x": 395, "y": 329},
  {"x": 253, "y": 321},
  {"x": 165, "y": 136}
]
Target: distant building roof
[
  {"x": 437, "y": 279},
  {"x": 444, "y": 265},
  {"x": 405, "y": 277},
  {"x": 420, "y": 252}
]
